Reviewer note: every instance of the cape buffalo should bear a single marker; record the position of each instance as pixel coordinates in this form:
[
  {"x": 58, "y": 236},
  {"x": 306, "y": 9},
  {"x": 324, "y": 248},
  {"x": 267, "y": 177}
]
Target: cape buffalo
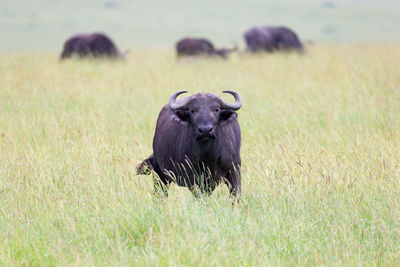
[
  {"x": 272, "y": 39},
  {"x": 196, "y": 144},
  {"x": 90, "y": 45},
  {"x": 195, "y": 47}
]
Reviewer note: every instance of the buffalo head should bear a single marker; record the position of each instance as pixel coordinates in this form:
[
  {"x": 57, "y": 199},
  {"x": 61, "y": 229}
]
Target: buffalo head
[{"x": 204, "y": 112}]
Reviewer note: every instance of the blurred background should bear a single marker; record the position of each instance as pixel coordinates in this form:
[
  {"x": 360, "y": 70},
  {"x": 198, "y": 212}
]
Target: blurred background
[{"x": 46, "y": 24}]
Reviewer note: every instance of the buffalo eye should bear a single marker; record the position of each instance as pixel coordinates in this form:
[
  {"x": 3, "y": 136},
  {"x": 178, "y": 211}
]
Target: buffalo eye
[
  {"x": 217, "y": 110},
  {"x": 192, "y": 111}
]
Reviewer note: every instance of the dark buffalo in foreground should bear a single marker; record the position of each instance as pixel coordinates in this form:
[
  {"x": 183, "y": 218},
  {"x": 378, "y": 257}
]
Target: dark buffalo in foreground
[
  {"x": 196, "y": 144},
  {"x": 197, "y": 47},
  {"x": 271, "y": 39},
  {"x": 90, "y": 45}
]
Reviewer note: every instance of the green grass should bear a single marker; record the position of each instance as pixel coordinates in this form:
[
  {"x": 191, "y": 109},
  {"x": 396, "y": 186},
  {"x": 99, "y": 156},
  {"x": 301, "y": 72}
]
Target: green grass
[
  {"x": 320, "y": 150},
  {"x": 44, "y": 24}
]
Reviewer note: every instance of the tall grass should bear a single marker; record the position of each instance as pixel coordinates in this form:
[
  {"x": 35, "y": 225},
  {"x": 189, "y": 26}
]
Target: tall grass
[{"x": 320, "y": 155}]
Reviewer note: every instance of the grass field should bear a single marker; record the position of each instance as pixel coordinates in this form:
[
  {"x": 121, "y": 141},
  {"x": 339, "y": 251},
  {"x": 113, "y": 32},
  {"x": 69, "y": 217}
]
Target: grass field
[
  {"x": 43, "y": 25},
  {"x": 320, "y": 150}
]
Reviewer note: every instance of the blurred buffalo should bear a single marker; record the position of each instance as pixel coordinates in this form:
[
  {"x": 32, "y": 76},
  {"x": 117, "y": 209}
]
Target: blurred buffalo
[
  {"x": 90, "y": 45},
  {"x": 198, "y": 46},
  {"x": 271, "y": 39}
]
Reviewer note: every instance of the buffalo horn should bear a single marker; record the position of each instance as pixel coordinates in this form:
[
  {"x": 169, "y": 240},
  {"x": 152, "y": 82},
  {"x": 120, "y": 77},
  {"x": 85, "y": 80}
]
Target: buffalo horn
[
  {"x": 172, "y": 101},
  {"x": 234, "y": 106}
]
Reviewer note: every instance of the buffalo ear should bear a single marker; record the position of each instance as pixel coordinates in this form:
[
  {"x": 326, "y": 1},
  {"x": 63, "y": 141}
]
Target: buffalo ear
[
  {"x": 227, "y": 115},
  {"x": 182, "y": 115}
]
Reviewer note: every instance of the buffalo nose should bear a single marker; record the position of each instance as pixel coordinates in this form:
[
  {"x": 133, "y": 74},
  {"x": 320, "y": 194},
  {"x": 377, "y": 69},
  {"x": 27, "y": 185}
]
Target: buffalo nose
[{"x": 205, "y": 129}]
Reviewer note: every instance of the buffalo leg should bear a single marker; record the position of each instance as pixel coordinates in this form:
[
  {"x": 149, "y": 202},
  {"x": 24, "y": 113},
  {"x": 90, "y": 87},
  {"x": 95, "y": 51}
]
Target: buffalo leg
[
  {"x": 195, "y": 191},
  {"x": 146, "y": 166},
  {"x": 160, "y": 187},
  {"x": 161, "y": 183},
  {"x": 198, "y": 191},
  {"x": 234, "y": 182}
]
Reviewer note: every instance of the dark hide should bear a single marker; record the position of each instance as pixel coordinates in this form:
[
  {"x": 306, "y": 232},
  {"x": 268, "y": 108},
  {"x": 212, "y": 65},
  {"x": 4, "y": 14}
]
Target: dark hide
[
  {"x": 197, "y": 47},
  {"x": 197, "y": 147},
  {"x": 90, "y": 45},
  {"x": 271, "y": 39}
]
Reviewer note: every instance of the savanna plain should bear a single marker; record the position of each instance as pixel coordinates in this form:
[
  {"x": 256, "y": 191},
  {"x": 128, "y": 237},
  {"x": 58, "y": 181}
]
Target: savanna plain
[{"x": 320, "y": 152}]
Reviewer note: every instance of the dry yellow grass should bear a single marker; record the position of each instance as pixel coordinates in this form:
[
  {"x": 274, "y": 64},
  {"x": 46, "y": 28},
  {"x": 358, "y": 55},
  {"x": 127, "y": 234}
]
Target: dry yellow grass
[{"x": 320, "y": 154}]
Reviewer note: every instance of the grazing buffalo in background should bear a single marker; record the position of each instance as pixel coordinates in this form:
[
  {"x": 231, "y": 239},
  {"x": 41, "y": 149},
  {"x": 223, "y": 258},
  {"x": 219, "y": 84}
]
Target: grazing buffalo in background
[
  {"x": 271, "y": 39},
  {"x": 195, "y": 47},
  {"x": 90, "y": 45},
  {"x": 196, "y": 144}
]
